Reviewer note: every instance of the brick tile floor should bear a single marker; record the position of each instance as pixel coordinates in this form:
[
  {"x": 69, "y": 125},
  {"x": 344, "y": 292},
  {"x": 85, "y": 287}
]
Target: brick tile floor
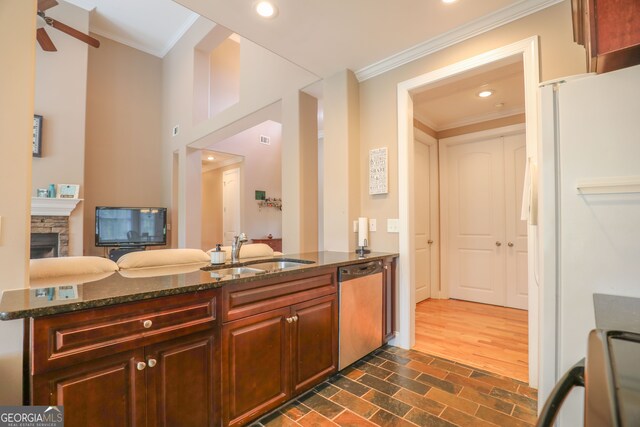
[{"x": 396, "y": 387}]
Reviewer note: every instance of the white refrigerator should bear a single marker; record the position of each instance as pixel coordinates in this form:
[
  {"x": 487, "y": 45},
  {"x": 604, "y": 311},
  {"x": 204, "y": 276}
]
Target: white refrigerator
[{"x": 589, "y": 182}]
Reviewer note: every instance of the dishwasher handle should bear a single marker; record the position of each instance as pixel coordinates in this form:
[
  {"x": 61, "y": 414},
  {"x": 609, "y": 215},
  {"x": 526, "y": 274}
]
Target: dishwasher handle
[{"x": 356, "y": 271}]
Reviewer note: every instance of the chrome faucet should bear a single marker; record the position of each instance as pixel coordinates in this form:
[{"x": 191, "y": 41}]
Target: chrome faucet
[{"x": 236, "y": 245}]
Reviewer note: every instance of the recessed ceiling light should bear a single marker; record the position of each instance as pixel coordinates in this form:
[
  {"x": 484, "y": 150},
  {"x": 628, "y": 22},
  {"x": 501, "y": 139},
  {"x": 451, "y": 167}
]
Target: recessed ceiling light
[
  {"x": 266, "y": 9},
  {"x": 210, "y": 158},
  {"x": 485, "y": 93},
  {"x": 449, "y": 1}
]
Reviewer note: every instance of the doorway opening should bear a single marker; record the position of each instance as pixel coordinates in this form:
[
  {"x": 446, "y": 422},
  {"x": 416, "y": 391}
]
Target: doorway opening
[{"x": 462, "y": 242}]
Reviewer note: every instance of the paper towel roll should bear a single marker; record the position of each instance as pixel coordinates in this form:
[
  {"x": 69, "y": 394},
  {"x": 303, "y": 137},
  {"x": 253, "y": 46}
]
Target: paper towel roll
[{"x": 363, "y": 231}]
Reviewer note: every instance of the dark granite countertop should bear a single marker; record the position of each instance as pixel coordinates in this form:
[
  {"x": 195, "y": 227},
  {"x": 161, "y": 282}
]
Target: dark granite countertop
[{"x": 151, "y": 283}]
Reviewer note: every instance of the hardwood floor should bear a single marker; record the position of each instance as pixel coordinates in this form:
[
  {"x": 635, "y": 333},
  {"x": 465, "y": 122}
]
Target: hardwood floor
[{"x": 483, "y": 336}]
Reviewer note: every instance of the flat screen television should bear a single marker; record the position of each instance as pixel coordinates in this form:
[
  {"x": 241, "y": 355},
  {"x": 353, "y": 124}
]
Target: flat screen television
[{"x": 131, "y": 227}]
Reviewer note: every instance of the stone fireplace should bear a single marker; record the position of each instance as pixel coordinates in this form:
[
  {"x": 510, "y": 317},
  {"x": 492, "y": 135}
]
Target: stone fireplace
[
  {"x": 49, "y": 236},
  {"x": 50, "y": 226}
]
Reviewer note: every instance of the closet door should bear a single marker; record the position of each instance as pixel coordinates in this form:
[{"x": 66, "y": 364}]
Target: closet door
[
  {"x": 515, "y": 157},
  {"x": 475, "y": 217}
]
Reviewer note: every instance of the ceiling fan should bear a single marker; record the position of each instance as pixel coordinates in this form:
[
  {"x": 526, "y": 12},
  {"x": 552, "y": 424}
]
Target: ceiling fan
[{"x": 43, "y": 38}]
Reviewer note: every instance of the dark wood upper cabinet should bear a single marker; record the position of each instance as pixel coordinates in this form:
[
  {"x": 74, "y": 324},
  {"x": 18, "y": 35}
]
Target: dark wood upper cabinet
[{"x": 610, "y": 32}]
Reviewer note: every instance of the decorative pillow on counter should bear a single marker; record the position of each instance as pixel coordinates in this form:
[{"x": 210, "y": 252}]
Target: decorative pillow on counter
[
  {"x": 250, "y": 250},
  {"x": 162, "y": 257},
  {"x": 164, "y": 270},
  {"x": 70, "y": 266}
]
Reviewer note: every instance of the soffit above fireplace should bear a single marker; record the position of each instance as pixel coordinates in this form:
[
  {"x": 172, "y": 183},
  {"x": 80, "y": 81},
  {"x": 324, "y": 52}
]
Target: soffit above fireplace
[{"x": 49, "y": 206}]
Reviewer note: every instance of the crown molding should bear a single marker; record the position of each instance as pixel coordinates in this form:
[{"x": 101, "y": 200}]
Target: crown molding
[
  {"x": 187, "y": 24},
  {"x": 472, "y": 29},
  {"x": 481, "y": 118},
  {"x": 160, "y": 53}
]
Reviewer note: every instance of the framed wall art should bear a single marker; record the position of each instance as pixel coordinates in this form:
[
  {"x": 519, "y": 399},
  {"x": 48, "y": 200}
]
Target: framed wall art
[{"x": 37, "y": 136}]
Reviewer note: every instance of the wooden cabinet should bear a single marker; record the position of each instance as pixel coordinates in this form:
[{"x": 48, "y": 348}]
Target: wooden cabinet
[
  {"x": 87, "y": 391},
  {"x": 275, "y": 244},
  {"x": 389, "y": 299},
  {"x": 610, "y": 32},
  {"x": 281, "y": 340},
  {"x": 181, "y": 381},
  {"x": 133, "y": 364}
]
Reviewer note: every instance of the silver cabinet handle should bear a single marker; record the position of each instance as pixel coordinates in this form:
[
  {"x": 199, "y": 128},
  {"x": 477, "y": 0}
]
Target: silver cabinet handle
[
  {"x": 430, "y": 242},
  {"x": 147, "y": 324},
  {"x": 510, "y": 244},
  {"x": 498, "y": 244},
  {"x": 152, "y": 362},
  {"x": 289, "y": 319},
  {"x": 295, "y": 317},
  {"x": 140, "y": 366}
]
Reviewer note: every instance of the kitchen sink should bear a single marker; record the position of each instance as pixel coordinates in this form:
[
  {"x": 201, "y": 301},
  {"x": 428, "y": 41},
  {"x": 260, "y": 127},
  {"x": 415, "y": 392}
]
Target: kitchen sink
[
  {"x": 235, "y": 271},
  {"x": 279, "y": 265}
]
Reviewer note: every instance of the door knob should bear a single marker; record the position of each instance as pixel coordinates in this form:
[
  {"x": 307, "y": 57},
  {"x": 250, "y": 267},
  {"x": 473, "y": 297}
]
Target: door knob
[
  {"x": 430, "y": 241},
  {"x": 510, "y": 244},
  {"x": 498, "y": 244},
  {"x": 152, "y": 362},
  {"x": 140, "y": 366}
]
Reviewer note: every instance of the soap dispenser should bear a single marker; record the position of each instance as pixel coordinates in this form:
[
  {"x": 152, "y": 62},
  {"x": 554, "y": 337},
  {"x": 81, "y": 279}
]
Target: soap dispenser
[{"x": 218, "y": 256}]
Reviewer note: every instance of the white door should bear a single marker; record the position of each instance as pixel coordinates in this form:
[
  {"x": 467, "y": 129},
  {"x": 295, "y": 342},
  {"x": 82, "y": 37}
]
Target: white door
[
  {"x": 474, "y": 215},
  {"x": 515, "y": 158},
  {"x": 230, "y": 205},
  {"x": 426, "y": 216}
]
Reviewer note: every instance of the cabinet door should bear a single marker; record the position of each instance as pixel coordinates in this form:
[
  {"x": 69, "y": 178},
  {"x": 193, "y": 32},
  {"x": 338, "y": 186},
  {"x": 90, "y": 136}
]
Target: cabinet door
[
  {"x": 181, "y": 378},
  {"x": 107, "y": 392},
  {"x": 314, "y": 341},
  {"x": 389, "y": 299},
  {"x": 255, "y": 365}
]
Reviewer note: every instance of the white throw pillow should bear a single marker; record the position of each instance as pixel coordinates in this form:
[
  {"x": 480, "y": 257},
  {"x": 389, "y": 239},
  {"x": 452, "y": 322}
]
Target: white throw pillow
[
  {"x": 162, "y": 257},
  {"x": 249, "y": 250},
  {"x": 69, "y": 266}
]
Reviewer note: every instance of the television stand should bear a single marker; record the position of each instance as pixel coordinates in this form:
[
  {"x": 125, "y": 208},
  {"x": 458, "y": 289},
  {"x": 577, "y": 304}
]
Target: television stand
[{"x": 116, "y": 253}]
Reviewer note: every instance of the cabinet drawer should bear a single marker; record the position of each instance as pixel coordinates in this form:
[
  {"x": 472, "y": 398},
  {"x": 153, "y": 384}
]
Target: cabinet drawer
[
  {"x": 74, "y": 337},
  {"x": 258, "y": 297}
]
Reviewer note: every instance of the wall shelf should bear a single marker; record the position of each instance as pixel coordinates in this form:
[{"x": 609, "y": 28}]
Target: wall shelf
[{"x": 610, "y": 185}]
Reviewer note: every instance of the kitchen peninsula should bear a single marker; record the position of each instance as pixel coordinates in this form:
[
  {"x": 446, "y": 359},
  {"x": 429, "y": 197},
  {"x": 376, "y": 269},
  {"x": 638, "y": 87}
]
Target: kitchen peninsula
[{"x": 202, "y": 347}]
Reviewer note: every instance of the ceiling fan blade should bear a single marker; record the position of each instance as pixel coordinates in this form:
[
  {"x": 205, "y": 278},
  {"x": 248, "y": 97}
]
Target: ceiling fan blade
[
  {"x": 73, "y": 32},
  {"x": 45, "y": 41},
  {"x": 46, "y": 4}
]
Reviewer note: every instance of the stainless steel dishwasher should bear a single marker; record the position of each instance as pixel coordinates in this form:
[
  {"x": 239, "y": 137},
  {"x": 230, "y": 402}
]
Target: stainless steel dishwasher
[{"x": 360, "y": 311}]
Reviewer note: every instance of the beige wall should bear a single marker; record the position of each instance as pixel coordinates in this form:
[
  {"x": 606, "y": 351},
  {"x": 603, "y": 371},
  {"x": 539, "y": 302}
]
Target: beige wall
[
  {"x": 17, "y": 44},
  {"x": 559, "y": 56},
  {"x": 260, "y": 170},
  {"x": 264, "y": 78},
  {"x": 122, "y": 153},
  {"x": 224, "y": 76},
  {"x": 341, "y": 153},
  {"x": 61, "y": 89},
  {"x": 300, "y": 172}
]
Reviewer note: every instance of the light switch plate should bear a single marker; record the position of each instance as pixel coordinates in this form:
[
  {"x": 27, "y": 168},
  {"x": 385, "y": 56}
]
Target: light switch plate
[
  {"x": 372, "y": 224},
  {"x": 393, "y": 225}
]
